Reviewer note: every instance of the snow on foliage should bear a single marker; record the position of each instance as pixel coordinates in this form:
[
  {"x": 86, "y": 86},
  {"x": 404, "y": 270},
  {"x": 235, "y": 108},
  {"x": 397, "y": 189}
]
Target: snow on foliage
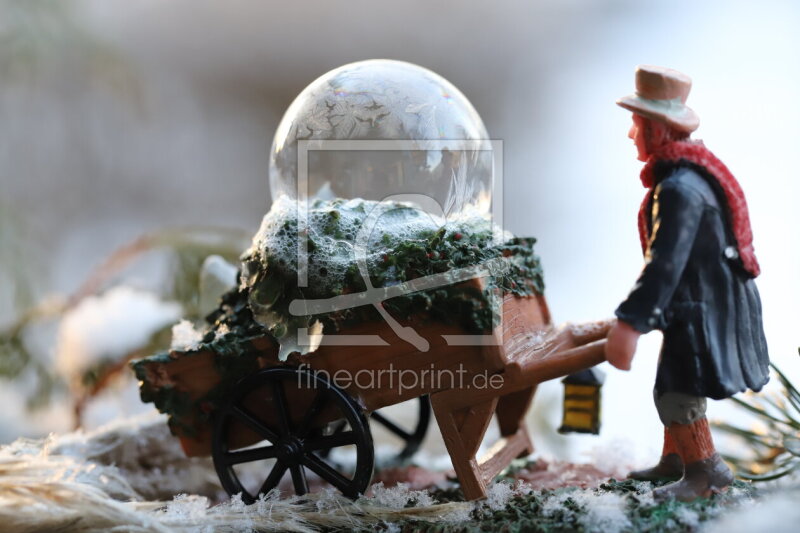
[
  {"x": 185, "y": 507},
  {"x": 108, "y": 327},
  {"x": 687, "y": 517},
  {"x": 594, "y": 510},
  {"x": 605, "y": 511},
  {"x": 500, "y": 494},
  {"x": 644, "y": 493},
  {"x": 400, "y": 496},
  {"x": 185, "y": 337}
]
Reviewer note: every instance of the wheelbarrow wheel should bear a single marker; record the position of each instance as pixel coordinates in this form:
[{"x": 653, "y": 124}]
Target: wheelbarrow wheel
[
  {"x": 411, "y": 439},
  {"x": 289, "y": 440},
  {"x": 406, "y": 442}
]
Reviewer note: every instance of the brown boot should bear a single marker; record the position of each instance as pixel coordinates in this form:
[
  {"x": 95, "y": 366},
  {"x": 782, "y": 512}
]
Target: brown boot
[
  {"x": 700, "y": 480},
  {"x": 705, "y": 472},
  {"x": 669, "y": 467}
]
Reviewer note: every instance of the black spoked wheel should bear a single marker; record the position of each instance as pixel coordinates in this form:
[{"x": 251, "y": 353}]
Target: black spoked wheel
[
  {"x": 408, "y": 440},
  {"x": 401, "y": 427},
  {"x": 296, "y": 418}
]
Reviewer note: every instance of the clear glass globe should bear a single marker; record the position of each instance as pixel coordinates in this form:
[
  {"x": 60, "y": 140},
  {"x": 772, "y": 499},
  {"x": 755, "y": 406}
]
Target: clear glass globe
[{"x": 443, "y": 162}]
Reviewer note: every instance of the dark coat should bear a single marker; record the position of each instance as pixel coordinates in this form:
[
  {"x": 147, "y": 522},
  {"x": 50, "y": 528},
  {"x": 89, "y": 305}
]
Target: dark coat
[{"x": 694, "y": 288}]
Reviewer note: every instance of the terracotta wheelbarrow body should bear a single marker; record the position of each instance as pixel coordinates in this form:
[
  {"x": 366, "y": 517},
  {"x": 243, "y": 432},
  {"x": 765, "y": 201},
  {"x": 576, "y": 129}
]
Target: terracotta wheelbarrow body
[{"x": 291, "y": 415}]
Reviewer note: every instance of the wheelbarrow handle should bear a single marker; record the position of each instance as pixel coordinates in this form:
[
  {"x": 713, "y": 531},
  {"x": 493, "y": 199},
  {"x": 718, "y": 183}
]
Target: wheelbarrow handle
[
  {"x": 559, "y": 351},
  {"x": 587, "y": 332},
  {"x": 586, "y": 355},
  {"x": 582, "y": 345},
  {"x": 568, "y": 336}
]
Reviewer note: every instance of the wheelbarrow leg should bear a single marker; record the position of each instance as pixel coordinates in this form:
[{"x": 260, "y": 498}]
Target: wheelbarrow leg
[
  {"x": 462, "y": 431},
  {"x": 464, "y": 426},
  {"x": 511, "y": 411}
]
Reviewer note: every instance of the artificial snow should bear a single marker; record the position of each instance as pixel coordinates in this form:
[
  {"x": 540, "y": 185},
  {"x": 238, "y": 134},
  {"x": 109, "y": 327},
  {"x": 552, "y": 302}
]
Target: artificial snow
[
  {"x": 776, "y": 512},
  {"x": 185, "y": 507},
  {"x": 108, "y": 327},
  {"x": 500, "y": 494},
  {"x": 328, "y": 500},
  {"x": 455, "y": 513},
  {"x": 555, "y": 503},
  {"x": 185, "y": 337},
  {"x": 644, "y": 494},
  {"x": 605, "y": 511},
  {"x": 599, "y": 511},
  {"x": 399, "y": 496},
  {"x": 687, "y": 517}
]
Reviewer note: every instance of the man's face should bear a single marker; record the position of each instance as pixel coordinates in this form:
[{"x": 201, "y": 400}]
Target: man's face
[{"x": 639, "y": 135}]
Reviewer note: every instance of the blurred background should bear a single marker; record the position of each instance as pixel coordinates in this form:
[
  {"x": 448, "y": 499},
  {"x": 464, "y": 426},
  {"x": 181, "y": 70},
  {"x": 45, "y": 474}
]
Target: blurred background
[{"x": 121, "y": 119}]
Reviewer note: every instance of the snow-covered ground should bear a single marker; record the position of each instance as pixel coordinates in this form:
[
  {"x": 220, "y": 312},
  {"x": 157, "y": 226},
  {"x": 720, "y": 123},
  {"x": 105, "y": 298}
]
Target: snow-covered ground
[{"x": 130, "y": 474}]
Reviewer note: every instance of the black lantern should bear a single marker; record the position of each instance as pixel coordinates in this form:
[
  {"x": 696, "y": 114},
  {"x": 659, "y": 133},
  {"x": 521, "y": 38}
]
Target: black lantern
[{"x": 582, "y": 402}]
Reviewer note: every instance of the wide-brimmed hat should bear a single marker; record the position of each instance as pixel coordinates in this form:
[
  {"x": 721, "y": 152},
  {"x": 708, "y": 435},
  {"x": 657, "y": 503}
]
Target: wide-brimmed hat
[{"x": 661, "y": 95}]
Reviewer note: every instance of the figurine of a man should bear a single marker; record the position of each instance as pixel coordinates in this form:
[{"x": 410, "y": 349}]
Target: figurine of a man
[{"x": 696, "y": 285}]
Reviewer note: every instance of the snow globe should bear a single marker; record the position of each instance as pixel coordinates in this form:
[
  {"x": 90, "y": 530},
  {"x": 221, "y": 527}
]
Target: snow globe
[{"x": 381, "y": 128}]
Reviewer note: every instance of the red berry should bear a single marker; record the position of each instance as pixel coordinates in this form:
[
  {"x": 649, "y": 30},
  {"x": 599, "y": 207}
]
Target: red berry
[{"x": 457, "y": 236}]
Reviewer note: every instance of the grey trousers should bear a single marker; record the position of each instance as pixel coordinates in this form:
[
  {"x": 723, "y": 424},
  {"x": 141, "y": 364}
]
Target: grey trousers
[{"x": 679, "y": 408}]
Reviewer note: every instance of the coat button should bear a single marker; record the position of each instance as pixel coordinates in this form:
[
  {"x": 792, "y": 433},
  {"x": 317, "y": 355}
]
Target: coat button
[{"x": 731, "y": 252}]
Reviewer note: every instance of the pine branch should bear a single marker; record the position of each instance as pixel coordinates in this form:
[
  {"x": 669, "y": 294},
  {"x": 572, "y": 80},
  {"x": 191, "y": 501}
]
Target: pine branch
[{"x": 775, "y": 448}]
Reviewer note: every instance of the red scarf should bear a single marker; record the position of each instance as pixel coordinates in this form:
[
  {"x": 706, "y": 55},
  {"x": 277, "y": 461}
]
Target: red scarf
[{"x": 695, "y": 152}]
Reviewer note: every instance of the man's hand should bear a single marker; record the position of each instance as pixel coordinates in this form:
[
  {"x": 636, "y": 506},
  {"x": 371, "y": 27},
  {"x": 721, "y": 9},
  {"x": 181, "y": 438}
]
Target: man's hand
[{"x": 621, "y": 345}]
